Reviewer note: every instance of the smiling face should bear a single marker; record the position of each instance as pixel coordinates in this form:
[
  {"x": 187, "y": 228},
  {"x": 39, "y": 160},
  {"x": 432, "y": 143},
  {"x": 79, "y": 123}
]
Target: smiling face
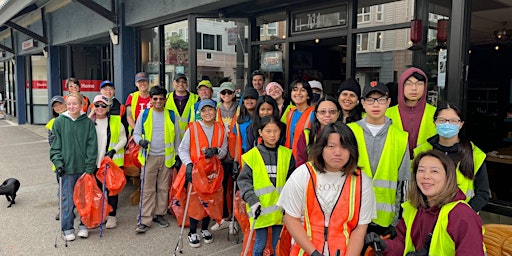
[
  {"x": 265, "y": 110},
  {"x": 335, "y": 155},
  {"x": 73, "y": 87},
  {"x": 204, "y": 92},
  {"x": 59, "y": 107},
  {"x": 257, "y": 82},
  {"x": 143, "y": 85},
  {"x": 348, "y": 100},
  {"x": 108, "y": 91},
  {"x": 158, "y": 102},
  {"x": 431, "y": 176},
  {"x": 208, "y": 114},
  {"x": 180, "y": 86},
  {"x": 101, "y": 109},
  {"x": 270, "y": 134},
  {"x": 327, "y": 113},
  {"x": 275, "y": 92},
  {"x": 299, "y": 95},
  {"x": 74, "y": 106},
  {"x": 250, "y": 103},
  {"x": 227, "y": 95}
]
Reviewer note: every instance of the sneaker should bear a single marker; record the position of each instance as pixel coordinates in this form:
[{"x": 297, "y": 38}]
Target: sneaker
[
  {"x": 223, "y": 225},
  {"x": 161, "y": 221},
  {"x": 69, "y": 236},
  {"x": 233, "y": 229},
  {"x": 141, "y": 228},
  {"x": 193, "y": 240},
  {"x": 83, "y": 233},
  {"x": 111, "y": 222},
  {"x": 207, "y": 236}
]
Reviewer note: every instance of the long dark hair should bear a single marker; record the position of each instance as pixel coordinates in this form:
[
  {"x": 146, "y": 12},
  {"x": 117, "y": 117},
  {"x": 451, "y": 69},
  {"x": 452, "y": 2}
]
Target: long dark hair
[
  {"x": 347, "y": 140},
  {"x": 257, "y": 120},
  {"x": 354, "y": 114},
  {"x": 315, "y": 126},
  {"x": 244, "y": 115},
  {"x": 465, "y": 152},
  {"x": 269, "y": 120},
  {"x": 305, "y": 85}
]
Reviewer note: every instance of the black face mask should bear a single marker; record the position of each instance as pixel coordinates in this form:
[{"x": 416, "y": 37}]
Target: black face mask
[{"x": 316, "y": 97}]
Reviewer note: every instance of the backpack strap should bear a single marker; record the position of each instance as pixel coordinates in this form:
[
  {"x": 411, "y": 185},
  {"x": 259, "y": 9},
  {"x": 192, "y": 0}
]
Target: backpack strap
[{"x": 145, "y": 116}]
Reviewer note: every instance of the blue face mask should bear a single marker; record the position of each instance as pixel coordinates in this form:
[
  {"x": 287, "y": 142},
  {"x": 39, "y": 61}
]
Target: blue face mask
[
  {"x": 316, "y": 97},
  {"x": 447, "y": 130}
]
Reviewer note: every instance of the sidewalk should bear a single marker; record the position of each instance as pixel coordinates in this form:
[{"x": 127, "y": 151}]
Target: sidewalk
[{"x": 29, "y": 227}]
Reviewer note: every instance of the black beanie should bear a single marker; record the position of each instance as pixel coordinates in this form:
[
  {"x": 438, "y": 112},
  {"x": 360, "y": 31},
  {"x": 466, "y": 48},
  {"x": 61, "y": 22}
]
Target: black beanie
[
  {"x": 350, "y": 84},
  {"x": 251, "y": 93}
]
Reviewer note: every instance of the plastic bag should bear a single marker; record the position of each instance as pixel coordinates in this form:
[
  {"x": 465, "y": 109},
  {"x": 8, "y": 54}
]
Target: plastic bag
[
  {"x": 131, "y": 154},
  {"x": 284, "y": 245},
  {"x": 207, "y": 175},
  {"x": 116, "y": 180},
  {"x": 89, "y": 201},
  {"x": 178, "y": 196}
]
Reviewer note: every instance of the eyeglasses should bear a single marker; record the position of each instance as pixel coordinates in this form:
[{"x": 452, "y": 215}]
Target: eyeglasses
[
  {"x": 324, "y": 112},
  {"x": 441, "y": 120},
  {"x": 226, "y": 91},
  {"x": 417, "y": 83},
  {"x": 97, "y": 105},
  {"x": 371, "y": 101},
  {"x": 158, "y": 99}
]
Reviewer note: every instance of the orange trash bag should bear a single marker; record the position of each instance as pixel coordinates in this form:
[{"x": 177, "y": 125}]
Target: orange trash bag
[
  {"x": 131, "y": 153},
  {"x": 284, "y": 245},
  {"x": 89, "y": 201},
  {"x": 115, "y": 180},
  {"x": 178, "y": 197},
  {"x": 207, "y": 192}
]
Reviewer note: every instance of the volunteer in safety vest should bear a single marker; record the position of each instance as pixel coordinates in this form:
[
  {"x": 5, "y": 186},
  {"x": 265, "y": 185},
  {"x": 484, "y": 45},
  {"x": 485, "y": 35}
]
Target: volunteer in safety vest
[
  {"x": 155, "y": 133},
  {"x": 204, "y": 138},
  {"x": 334, "y": 198},
  {"x": 413, "y": 114},
  {"x": 139, "y": 100},
  {"x": 436, "y": 219},
  {"x": 181, "y": 101},
  {"x": 111, "y": 141},
  {"x": 73, "y": 86},
  {"x": 469, "y": 160},
  {"x": 265, "y": 170},
  {"x": 383, "y": 156}
]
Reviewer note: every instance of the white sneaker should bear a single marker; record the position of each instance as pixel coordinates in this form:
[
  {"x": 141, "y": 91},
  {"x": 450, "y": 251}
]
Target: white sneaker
[
  {"x": 111, "y": 222},
  {"x": 83, "y": 233},
  {"x": 193, "y": 240},
  {"x": 68, "y": 237},
  {"x": 207, "y": 236},
  {"x": 223, "y": 225}
]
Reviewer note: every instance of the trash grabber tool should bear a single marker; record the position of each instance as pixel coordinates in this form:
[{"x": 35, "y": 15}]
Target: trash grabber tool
[
  {"x": 246, "y": 250},
  {"x": 103, "y": 196},
  {"x": 142, "y": 180},
  {"x": 233, "y": 228},
  {"x": 60, "y": 212},
  {"x": 179, "y": 244}
]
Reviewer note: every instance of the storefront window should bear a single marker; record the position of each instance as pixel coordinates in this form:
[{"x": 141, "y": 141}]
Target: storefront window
[
  {"x": 176, "y": 51},
  {"x": 37, "y": 90},
  {"x": 150, "y": 53},
  {"x": 272, "y": 26}
]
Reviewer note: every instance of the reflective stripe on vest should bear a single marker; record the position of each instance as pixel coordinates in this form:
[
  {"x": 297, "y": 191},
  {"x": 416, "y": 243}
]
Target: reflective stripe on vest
[
  {"x": 199, "y": 141},
  {"x": 304, "y": 122},
  {"x": 168, "y": 137},
  {"x": 385, "y": 180},
  {"x": 427, "y": 126},
  {"x": 465, "y": 184},
  {"x": 115, "y": 131},
  {"x": 344, "y": 217},
  {"x": 183, "y": 118},
  {"x": 271, "y": 214}
]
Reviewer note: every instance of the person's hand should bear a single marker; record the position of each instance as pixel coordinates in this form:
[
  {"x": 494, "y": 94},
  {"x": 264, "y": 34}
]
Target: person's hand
[
  {"x": 177, "y": 162},
  {"x": 316, "y": 253},
  {"x": 210, "y": 152},
  {"x": 60, "y": 171},
  {"x": 144, "y": 144},
  {"x": 188, "y": 174},
  {"x": 236, "y": 170},
  {"x": 374, "y": 240},
  {"x": 256, "y": 209},
  {"x": 111, "y": 153},
  {"x": 390, "y": 231}
]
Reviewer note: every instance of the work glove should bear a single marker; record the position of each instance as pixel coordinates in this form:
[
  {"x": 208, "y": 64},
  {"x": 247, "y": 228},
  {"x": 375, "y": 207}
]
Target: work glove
[
  {"x": 256, "y": 209},
  {"x": 316, "y": 253},
  {"x": 236, "y": 170},
  {"x": 188, "y": 174},
  {"x": 390, "y": 231},
  {"x": 60, "y": 171},
  {"x": 144, "y": 144},
  {"x": 210, "y": 152},
  {"x": 111, "y": 153},
  {"x": 374, "y": 240},
  {"x": 177, "y": 163}
]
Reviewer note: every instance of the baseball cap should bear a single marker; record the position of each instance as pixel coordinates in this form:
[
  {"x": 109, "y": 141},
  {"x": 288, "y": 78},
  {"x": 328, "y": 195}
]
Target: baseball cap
[
  {"x": 206, "y": 102},
  {"x": 316, "y": 84},
  {"x": 227, "y": 86},
  {"x": 106, "y": 83},
  {"x": 101, "y": 98},
  {"x": 57, "y": 98},
  {"x": 205, "y": 83},
  {"x": 375, "y": 86},
  {"x": 178, "y": 76},
  {"x": 141, "y": 76},
  {"x": 250, "y": 92}
]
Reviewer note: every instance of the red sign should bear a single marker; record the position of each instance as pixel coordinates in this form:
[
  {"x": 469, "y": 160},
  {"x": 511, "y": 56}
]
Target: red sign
[
  {"x": 30, "y": 43},
  {"x": 38, "y": 84},
  {"x": 85, "y": 85}
]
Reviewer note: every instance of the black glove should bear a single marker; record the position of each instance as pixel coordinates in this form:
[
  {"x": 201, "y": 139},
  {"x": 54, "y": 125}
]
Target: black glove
[
  {"x": 316, "y": 253},
  {"x": 177, "y": 163},
  {"x": 236, "y": 170},
  {"x": 144, "y": 144},
  {"x": 374, "y": 240},
  {"x": 111, "y": 153},
  {"x": 60, "y": 171},
  {"x": 210, "y": 152},
  {"x": 390, "y": 231},
  {"x": 188, "y": 174}
]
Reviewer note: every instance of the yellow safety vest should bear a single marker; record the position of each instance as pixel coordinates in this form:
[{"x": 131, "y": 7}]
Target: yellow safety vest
[
  {"x": 385, "y": 180},
  {"x": 271, "y": 214},
  {"x": 427, "y": 126},
  {"x": 465, "y": 184},
  {"x": 115, "y": 131},
  {"x": 184, "y": 118},
  {"x": 49, "y": 127},
  {"x": 168, "y": 138}
]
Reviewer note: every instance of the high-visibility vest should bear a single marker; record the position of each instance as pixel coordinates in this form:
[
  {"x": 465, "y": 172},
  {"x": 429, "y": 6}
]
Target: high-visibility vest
[
  {"x": 199, "y": 141},
  {"x": 49, "y": 127},
  {"x": 303, "y": 123},
  {"x": 168, "y": 137},
  {"x": 427, "y": 126},
  {"x": 385, "y": 180},
  {"x": 441, "y": 243},
  {"x": 344, "y": 217},
  {"x": 115, "y": 126},
  {"x": 183, "y": 118},
  {"x": 267, "y": 193},
  {"x": 464, "y": 183}
]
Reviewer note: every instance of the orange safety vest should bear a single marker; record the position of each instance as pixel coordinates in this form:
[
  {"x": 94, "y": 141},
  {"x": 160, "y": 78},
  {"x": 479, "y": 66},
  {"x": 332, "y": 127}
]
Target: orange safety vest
[
  {"x": 234, "y": 140},
  {"x": 303, "y": 123},
  {"x": 199, "y": 141},
  {"x": 344, "y": 217}
]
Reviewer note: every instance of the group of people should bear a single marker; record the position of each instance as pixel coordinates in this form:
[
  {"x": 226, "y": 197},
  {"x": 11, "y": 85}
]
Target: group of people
[{"x": 336, "y": 174}]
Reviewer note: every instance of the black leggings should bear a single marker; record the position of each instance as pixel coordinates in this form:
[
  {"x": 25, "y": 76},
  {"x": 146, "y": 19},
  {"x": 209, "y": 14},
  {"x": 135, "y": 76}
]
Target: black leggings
[
  {"x": 204, "y": 225},
  {"x": 112, "y": 200},
  {"x": 228, "y": 169}
]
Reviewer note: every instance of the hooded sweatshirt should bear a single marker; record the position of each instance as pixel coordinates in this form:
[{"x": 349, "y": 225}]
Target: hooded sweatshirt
[{"x": 75, "y": 147}]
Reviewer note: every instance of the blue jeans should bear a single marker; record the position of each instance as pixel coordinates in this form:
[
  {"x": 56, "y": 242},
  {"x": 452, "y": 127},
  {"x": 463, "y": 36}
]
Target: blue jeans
[
  {"x": 68, "y": 188},
  {"x": 261, "y": 239}
]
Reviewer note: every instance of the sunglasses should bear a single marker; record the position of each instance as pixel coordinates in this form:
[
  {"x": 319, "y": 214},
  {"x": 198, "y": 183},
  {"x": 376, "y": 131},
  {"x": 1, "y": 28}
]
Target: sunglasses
[
  {"x": 226, "y": 91},
  {"x": 97, "y": 105},
  {"x": 158, "y": 99}
]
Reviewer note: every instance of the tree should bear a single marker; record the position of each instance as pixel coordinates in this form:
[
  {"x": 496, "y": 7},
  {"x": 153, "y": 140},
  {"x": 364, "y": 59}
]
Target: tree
[{"x": 175, "y": 42}]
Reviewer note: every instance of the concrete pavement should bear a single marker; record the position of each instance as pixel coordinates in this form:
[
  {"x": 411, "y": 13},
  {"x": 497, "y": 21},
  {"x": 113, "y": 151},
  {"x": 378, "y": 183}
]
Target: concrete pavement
[{"x": 29, "y": 227}]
